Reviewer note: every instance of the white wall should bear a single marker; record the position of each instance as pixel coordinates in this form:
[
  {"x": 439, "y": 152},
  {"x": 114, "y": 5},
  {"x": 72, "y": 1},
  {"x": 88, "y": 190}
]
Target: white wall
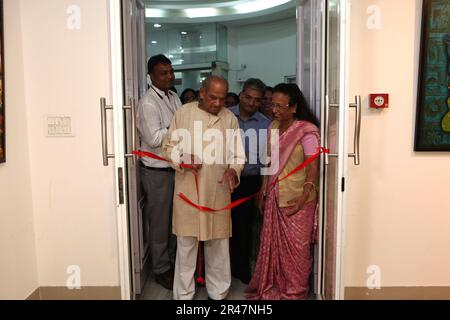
[
  {"x": 268, "y": 50},
  {"x": 18, "y": 269},
  {"x": 65, "y": 73},
  {"x": 398, "y": 199}
]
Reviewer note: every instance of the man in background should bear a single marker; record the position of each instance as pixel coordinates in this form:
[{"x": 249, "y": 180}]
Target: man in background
[
  {"x": 154, "y": 114},
  {"x": 251, "y": 121}
]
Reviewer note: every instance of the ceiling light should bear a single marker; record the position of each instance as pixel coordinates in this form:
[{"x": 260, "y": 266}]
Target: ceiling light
[
  {"x": 155, "y": 13},
  {"x": 183, "y": 32},
  {"x": 154, "y": 42},
  {"x": 258, "y": 5},
  {"x": 157, "y": 25},
  {"x": 201, "y": 12}
]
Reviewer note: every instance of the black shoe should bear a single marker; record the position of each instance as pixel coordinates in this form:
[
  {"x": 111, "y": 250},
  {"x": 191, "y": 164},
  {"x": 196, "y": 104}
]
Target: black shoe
[{"x": 165, "y": 279}]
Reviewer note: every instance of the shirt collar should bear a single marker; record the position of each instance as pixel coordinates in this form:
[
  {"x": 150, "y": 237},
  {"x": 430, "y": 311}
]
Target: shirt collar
[
  {"x": 161, "y": 93},
  {"x": 237, "y": 111}
]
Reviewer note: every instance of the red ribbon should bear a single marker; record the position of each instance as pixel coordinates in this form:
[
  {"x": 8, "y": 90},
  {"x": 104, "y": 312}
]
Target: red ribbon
[
  {"x": 200, "y": 279},
  {"x": 238, "y": 202}
]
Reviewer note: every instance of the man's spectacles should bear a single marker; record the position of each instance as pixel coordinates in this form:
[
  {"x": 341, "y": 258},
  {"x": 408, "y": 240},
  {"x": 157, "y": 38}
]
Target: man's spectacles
[{"x": 277, "y": 106}]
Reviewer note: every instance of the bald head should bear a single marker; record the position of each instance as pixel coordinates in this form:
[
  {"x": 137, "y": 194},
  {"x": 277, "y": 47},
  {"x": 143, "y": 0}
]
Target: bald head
[
  {"x": 216, "y": 80},
  {"x": 213, "y": 94}
]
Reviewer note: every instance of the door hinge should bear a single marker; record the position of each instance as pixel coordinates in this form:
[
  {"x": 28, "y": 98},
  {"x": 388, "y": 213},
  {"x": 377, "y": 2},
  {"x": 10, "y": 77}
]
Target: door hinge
[
  {"x": 120, "y": 178},
  {"x": 343, "y": 185}
]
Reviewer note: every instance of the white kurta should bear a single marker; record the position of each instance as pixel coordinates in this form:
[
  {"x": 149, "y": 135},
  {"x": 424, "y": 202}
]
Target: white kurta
[{"x": 189, "y": 221}]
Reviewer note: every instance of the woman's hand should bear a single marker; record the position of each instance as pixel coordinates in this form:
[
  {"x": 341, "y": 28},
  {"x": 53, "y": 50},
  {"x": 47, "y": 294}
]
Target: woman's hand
[{"x": 297, "y": 204}]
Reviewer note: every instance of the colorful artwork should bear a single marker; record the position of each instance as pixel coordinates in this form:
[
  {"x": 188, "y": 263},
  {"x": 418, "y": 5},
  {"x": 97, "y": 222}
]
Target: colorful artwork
[
  {"x": 2, "y": 91},
  {"x": 433, "y": 111}
]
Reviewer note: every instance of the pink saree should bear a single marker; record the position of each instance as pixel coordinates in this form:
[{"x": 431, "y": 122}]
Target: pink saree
[{"x": 284, "y": 262}]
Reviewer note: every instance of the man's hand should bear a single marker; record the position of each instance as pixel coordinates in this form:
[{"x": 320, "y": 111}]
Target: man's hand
[
  {"x": 230, "y": 179},
  {"x": 261, "y": 199},
  {"x": 193, "y": 161}
]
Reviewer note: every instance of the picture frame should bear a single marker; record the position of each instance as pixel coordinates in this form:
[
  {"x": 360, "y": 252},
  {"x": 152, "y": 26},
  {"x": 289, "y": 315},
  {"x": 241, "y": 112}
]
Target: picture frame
[
  {"x": 2, "y": 91},
  {"x": 432, "y": 129}
]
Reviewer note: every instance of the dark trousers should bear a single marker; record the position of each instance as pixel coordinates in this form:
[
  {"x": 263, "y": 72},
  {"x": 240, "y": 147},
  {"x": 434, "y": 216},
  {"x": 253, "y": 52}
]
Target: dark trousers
[
  {"x": 243, "y": 218},
  {"x": 158, "y": 187}
]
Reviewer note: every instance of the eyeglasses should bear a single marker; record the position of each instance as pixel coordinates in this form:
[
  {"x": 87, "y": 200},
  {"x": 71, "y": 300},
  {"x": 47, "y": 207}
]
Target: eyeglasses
[{"x": 279, "y": 107}]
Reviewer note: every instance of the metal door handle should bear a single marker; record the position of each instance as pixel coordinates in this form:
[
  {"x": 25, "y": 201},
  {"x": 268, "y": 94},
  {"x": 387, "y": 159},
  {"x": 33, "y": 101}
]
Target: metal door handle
[
  {"x": 356, "y": 154},
  {"x": 132, "y": 108},
  {"x": 328, "y": 105},
  {"x": 106, "y": 155}
]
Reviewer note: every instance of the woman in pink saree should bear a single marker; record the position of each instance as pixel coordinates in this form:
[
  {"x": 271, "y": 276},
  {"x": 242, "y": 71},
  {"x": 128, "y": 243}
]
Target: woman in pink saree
[{"x": 284, "y": 262}]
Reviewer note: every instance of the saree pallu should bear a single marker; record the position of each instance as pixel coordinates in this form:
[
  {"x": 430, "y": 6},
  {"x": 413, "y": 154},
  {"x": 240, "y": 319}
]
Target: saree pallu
[{"x": 284, "y": 262}]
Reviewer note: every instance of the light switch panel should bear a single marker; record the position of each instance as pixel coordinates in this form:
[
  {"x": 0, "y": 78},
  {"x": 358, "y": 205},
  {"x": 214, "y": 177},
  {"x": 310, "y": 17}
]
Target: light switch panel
[{"x": 59, "y": 126}]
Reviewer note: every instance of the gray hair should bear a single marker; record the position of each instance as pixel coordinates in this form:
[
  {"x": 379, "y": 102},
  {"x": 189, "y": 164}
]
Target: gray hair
[{"x": 255, "y": 84}]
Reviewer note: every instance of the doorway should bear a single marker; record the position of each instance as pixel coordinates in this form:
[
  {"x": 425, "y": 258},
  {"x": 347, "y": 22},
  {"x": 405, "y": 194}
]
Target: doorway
[{"x": 320, "y": 71}]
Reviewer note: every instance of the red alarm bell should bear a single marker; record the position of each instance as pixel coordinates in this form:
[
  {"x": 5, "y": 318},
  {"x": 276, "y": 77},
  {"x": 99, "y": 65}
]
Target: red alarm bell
[{"x": 379, "y": 100}]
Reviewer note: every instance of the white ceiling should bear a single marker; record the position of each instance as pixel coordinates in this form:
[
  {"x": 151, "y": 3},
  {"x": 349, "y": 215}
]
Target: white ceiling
[{"x": 173, "y": 11}]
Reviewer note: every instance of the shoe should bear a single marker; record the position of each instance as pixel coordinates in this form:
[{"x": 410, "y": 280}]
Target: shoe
[{"x": 165, "y": 279}]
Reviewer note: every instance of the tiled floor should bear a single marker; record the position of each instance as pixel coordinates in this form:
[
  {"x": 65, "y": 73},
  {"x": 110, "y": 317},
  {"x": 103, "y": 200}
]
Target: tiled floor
[{"x": 154, "y": 291}]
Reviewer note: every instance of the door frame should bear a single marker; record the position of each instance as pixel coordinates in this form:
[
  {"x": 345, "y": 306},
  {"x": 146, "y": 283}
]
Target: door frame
[
  {"x": 341, "y": 195},
  {"x": 115, "y": 28},
  {"x": 343, "y": 149}
]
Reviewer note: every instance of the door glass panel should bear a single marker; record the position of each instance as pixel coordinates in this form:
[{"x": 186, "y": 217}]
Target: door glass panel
[
  {"x": 135, "y": 85},
  {"x": 331, "y": 170}
]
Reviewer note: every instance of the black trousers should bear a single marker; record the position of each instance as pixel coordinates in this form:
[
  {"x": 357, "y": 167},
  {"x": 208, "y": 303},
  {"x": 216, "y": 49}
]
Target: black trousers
[{"x": 243, "y": 218}]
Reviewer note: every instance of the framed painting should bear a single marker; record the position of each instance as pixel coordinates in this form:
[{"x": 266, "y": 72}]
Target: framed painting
[
  {"x": 433, "y": 101},
  {"x": 2, "y": 90}
]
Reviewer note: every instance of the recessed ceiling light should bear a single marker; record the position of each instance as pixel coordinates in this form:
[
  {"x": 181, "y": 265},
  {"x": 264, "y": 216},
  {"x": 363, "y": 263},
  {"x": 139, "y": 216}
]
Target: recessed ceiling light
[
  {"x": 183, "y": 32},
  {"x": 157, "y": 25},
  {"x": 221, "y": 8},
  {"x": 258, "y": 5},
  {"x": 201, "y": 12},
  {"x": 154, "y": 42}
]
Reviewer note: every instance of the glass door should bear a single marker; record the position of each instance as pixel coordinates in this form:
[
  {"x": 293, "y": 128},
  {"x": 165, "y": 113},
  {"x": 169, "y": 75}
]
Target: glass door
[
  {"x": 309, "y": 76},
  {"x": 135, "y": 85},
  {"x": 334, "y": 114}
]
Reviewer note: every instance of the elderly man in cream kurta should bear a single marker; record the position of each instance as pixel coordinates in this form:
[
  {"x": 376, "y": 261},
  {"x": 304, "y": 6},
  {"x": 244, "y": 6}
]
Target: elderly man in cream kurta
[{"x": 218, "y": 174}]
